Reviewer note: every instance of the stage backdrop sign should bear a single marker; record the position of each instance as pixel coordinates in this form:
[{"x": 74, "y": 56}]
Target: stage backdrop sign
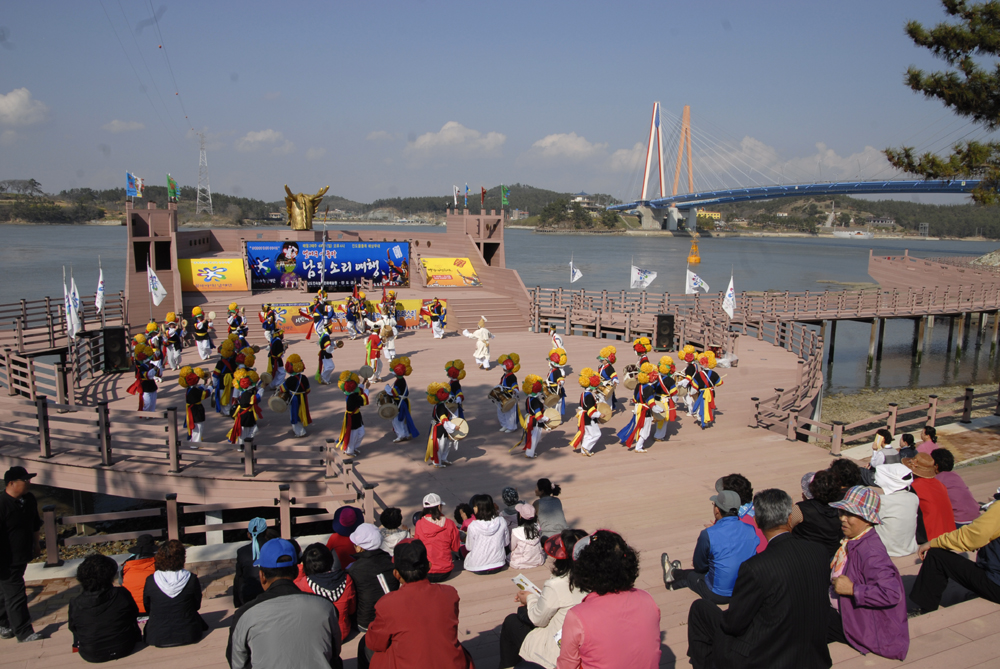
[
  {"x": 282, "y": 264},
  {"x": 207, "y": 275},
  {"x": 292, "y": 321},
  {"x": 450, "y": 272}
]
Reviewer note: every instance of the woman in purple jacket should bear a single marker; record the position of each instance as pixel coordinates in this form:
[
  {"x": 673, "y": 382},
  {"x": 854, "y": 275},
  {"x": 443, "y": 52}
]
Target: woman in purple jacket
[{"x": 868, "y": 588}]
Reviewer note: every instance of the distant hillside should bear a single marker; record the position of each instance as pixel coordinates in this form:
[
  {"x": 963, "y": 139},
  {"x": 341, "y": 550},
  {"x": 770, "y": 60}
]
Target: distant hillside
[{"x": 522, "y": 197}]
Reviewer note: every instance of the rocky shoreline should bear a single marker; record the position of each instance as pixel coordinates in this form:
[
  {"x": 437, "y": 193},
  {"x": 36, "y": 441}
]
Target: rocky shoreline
[{"x": 851, "y": 407}]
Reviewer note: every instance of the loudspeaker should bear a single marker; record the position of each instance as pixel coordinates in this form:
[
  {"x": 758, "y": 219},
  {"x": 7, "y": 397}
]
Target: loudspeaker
[
  {"x": 664, "y": 332},
  {"x": 116, "y": 357}
]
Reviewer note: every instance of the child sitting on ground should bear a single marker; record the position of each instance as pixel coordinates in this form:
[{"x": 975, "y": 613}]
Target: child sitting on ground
[
  {"x": 463, "y": 517},
  {"x": 393, "y": 531},
  {"x": 526, "y": 549}
]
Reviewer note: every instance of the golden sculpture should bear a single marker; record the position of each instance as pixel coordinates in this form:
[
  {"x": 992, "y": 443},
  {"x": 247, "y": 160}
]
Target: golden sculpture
[{"x": 302, "y": 207}]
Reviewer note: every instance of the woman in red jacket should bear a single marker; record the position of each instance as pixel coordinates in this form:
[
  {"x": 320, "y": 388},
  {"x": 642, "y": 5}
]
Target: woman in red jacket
[
  {"x": 935, "y": 516},
  {"x": 440, "y": 537}
]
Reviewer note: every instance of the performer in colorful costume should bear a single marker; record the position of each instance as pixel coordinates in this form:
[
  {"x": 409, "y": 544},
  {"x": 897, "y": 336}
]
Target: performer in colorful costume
[
  {"x": 146, "y": 374},
  {"x": 296, "y": 389},
  {"x": 510, "y": 364},
  {"x": 245, "y": 360},
  {"x": 202, "y": 337},
  {"x": 437, "y": 312},
  {"x": 609, "y": 378},
  {"x": 154, "y": 340},
  {"x": 439, "y": 442},
  {"x": 373, "y": 355},
  {"x": 324, "y": 365},
  {"x": 248, "y": 409},
  {"x": 482, "y": 337},
  {"x": 555, "y": 381},
  {"x": 194, "y": 394},
  {"x": 402, "y": 424},
  {"x": 222, "y": 375},
  {"x": 665, "y": 389},
  {"x": 388, "y": 337},
  {"x": 557, "y": 341},
  {"x": 705, "y": 380},
  {"x": 634, "y": 434},
  {"x": 174, "y": 336},
  {"x": 588, "y": 429},
  {"x": 275, "y": 364},
  {"x": 642, "y": 346},
  {"x": 268, "y": 321},
  {"x": 534, "y": 414},
  {"x": 455, "y": 369},
  {"x": 235, "y": 320},
  {"x": 353, "y": 429}
]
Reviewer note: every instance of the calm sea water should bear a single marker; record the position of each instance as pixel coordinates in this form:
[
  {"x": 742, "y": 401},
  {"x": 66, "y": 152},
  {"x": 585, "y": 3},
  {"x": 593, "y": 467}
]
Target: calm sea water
[{"x": 33, "y": 258}]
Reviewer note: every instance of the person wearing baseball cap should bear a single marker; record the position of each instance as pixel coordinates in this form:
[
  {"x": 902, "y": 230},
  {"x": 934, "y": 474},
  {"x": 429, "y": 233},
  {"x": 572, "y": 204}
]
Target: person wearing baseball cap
[
  {"x": 871, "y": 601},
  {"x": 721, "y": 549},
  {"x": 397, "y": 638},
  {"x": 288, "y": 627},
  {"x": 439, "y": 536},
  {"x": 936, "y": 517},
  {"x": 19, "y": 526}
]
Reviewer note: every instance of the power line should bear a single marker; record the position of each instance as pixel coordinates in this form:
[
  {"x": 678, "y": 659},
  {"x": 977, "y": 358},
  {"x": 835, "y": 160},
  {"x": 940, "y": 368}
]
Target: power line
[
  {"x": 146, "y": 65},
  {"x": 166, "y": 56}
]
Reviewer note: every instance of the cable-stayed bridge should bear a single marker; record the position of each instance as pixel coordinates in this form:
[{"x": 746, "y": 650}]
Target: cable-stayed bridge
[{"x": 667, "y": 210}]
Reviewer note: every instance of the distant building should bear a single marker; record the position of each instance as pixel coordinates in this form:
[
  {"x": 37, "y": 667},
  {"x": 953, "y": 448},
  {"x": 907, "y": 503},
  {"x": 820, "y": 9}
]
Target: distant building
[
  {"x": 717, "y": 215},
  {"x": 882, "y": 222},
  {"x": 275, "y": 216},
  {"x": 583, "y": 199},
  {"x": 519, "y": 214},
  {"x": 782, "y": 214}
]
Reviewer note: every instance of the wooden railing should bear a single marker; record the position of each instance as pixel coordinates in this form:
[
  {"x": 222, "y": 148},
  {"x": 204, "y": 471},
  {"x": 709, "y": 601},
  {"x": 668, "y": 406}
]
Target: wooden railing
[
  {"x": 30, "y": 378},
  {"x": 176, "y": 521},
  {"x": 29, "y": 325}
]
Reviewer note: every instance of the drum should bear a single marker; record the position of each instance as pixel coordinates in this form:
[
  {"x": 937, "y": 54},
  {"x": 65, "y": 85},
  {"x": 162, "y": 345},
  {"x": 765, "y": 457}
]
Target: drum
[
  {"x": 461, "y": 428},
  {"x": 366, "y": 372},
  {"x": 551, "y": 399},
  {"x": 630, "y": 373},
  {"x": 498, "y": 395},
  {"x": 276, "y": 404},
  {"x": 387, "y": 409},
  {"x": 508, "y": 403},
  {"x": 265, "y": 379},
  {"x": 604, "y": 409},
  {"x": 555, "y": 418}
]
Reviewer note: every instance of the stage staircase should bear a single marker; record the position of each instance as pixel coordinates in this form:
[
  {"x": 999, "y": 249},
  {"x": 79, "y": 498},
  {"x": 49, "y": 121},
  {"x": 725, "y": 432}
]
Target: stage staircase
[{"x": 502, "y": 315}]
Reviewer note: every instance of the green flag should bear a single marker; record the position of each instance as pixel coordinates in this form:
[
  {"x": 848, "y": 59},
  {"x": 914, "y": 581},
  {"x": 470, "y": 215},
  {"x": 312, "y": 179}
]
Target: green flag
[
  {"x": 504, "y": 194},
  {"x": 172, "y": 190}
]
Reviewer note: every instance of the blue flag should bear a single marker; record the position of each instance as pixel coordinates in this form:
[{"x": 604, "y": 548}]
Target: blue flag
[{"x": 131, "y": 189}]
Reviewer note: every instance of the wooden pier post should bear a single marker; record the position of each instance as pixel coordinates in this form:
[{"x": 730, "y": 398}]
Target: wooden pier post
[
  {"x": 831, "y": 339},
  {"x": 961, "y": 334},
  {"x": 996, "y": 332},
  {"x": 921, "y": 326},
  {"x": 871, "y": 345},
  {"x": 881, "y": 338}
]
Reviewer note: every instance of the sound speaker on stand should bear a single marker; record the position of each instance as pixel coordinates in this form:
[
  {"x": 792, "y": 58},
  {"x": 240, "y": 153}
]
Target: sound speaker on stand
[
  {"x": 116, "y": 355},
  {"x": 664, "y": 332}
]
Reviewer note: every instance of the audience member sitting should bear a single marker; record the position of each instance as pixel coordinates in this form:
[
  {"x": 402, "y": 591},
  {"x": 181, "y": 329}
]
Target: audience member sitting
[
  {"x": 616, "y": 625},
  {"x": 963, "y": 505},
  {"x": 935, "y": 516},
  {"x": 439, "y": 536},
  {"x": 869, "y": 591},
  {"x": 321, "y": 574},
  {"x": 548, "y": 509},
  {"x": 740, "y": 485},
  {"x": 907, "y": 447},
  {"x": 882, "y": 450},
  {"x": 283, "y": 627},
  {"x": 510, "y": 499},
  {"x": 172, "y": 597},
  {"x": 464, "y": 515},
  {"x": 778, "y": 597},
  {"x": 929, "y": 443},
  {"x": 139, "y": 566},
  {"x": 847, "y": 472},
  {"x": 897, "y": 510},
  {"x": 102, "y": 617},
  {"x": 940, "y": 564},
  {"x": 246, "y": 580},
  {"x": 393, "y": 531},
  {"x": 345, "y": 520},
  {"x": 486, "y": 539},
  {"x": 399, "y": 639},
  {"x": 813, "y": 518},
  {"x": 532, "y": 633},
  {"x": 721, "y": 549},
  {"x": 526, "y": 550},
  {"x": 371, "y": 572}
]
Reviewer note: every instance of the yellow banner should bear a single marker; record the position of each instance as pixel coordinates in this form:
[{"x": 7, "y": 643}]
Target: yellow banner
[
  {"x": 207, "y": 275},
  {"x": 450, "y": 272}
]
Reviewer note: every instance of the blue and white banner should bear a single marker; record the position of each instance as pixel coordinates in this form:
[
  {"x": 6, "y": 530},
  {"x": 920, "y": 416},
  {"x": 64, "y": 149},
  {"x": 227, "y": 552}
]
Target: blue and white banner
[{"x": 277, "y": 264}]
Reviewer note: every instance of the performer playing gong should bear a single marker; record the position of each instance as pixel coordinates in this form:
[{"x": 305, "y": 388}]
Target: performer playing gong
[
  {"x": 174, "y": 335},
  {"x": 268, "y": 320},
  {"x": 507, "y": 389},
  {"x": 275, "y": 365},
  {"x": 588, "y": 429},
  {"x": 325, "y": 372},
  {"x": 402, "y": 424},
  {"x": 202, "y": 338},
  {"x": 295, "y": 389},
  {"x": 353, "y": 429},
  {"x": 437, "y": 312},
  {"x": 439, "y": 442},
  {"x": 455, "y": 369},
  {"x": 534, "y": 415},
  {"x": 194, "y": 394},
  {"x": 482, "y": 337},
  {"x": 555, "y": 381}
]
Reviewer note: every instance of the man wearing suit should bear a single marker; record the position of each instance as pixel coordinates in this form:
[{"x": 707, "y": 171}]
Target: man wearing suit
[{"x": 779, "y": 596}]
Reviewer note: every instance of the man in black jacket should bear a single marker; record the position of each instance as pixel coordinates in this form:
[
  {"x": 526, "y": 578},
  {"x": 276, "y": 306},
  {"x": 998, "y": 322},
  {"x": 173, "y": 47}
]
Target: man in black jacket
[
  {"x": 371, "y": 572},
  {"x": 779, "y": 596},
  {"x": 19, "y": 525}
]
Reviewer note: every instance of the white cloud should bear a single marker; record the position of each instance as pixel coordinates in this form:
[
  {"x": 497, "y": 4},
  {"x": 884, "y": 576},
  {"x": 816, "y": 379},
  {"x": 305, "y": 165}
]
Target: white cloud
[
  {"x": 378, "y": 136},
  {"x": 628, "y": 160},
  {"x": 569, "y": 146},
  {"x": 315, "y": 153},
  {"x": 19, "y": 108},
  {"x": 122, "y": 126},
  {"x": 8, "y": 137},
  {"x": 456, "y": 138},
  {"x": 255, "y": 140}
]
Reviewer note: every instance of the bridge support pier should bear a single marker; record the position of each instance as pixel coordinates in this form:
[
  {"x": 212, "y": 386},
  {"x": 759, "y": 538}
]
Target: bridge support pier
[
  {"x": 650, "y": 219},
  {"x": 881, "y": 338},
  {"x": 871, "y": 345},
  {"x": 921, "y": 326},
  {"x": 983, "y": 317},
  {"x": 996, "y": 332},
  {"x": 961, "y": 334},
  {"x": 692, "y": 220},
  {"x": 831, "y": 337}
]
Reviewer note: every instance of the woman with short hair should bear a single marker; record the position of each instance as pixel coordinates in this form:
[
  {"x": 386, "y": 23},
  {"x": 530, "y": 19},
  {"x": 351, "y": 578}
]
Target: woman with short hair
[
  {"x": 172, "y": 597},
  {"x": 102, "y": 617}
]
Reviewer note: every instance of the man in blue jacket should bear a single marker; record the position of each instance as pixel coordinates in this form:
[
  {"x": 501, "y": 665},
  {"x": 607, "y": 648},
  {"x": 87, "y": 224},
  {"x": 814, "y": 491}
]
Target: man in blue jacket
[{"x": 720, "y": 551}]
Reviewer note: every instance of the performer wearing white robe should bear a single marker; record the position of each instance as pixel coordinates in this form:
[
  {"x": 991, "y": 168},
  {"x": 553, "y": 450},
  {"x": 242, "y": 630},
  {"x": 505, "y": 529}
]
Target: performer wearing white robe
[{"x": 482, "y": 337}]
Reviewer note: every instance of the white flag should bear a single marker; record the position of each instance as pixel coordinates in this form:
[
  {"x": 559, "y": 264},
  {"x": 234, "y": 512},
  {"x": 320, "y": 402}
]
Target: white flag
[
  {"x": 694, "y": 282},
  {"x": 574, "y": 273},
  {"x": 729, "y": 301},
  {"x": 455, "y": 194},
  {"x": 156, "y": 288},
  {"x": 642, "y": 277},
  {"x": 75, "y": 305},
  {"x": 68, "y": 305},
  {"x": 99, "y": 297}
]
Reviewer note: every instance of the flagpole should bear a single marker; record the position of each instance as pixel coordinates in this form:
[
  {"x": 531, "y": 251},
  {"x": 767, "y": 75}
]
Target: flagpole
[{"x": 148, "y": 291}]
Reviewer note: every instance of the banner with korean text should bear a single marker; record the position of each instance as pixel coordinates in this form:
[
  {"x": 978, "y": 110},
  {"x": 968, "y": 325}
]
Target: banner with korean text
[
  {"x": 293, "y": 318},
  {"x": 333, "y": 265},
  {"x": 207, "y": 275},
  {"x": 450, "y": 272}
]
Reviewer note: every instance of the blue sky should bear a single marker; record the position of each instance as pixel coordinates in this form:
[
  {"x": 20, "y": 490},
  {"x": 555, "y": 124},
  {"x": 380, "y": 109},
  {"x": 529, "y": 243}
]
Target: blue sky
[{"x": 377, "y": 99}]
